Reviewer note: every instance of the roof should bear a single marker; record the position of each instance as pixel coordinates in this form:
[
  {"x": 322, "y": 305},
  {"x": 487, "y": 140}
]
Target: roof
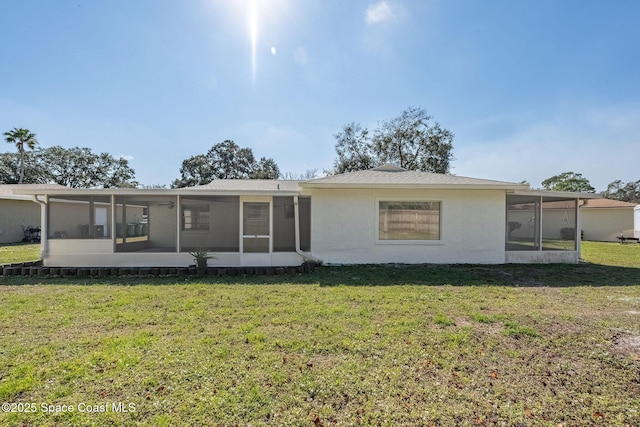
[
  {"x": 216, "y": 187},
  {"x": 608, "y": 203},
  {"x": 260, "y": 185},
  {"x": 15, "y": 191},
  {"x": 389, "y": 176}
]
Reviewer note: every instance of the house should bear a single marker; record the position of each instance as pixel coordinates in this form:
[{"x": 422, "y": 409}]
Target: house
[
  {"x": 383, "y": 215},
  {"x": 604, "y": 220},
  {"x": 18, "y": 211}
]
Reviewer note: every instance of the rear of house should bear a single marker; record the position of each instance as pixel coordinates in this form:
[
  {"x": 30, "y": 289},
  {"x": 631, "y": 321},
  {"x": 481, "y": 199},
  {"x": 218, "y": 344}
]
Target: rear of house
[{"x": 383, "y": 215}]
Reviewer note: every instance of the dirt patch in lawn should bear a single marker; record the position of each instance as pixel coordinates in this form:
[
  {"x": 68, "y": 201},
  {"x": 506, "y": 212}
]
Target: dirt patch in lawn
[{"x": 627, "y": 344}]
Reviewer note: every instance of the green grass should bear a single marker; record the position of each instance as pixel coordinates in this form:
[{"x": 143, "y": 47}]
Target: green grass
[
  {"x": 19, "y": 252},
  {"x": 613, "y": 254},
  {"x": 365, "y": 345}
]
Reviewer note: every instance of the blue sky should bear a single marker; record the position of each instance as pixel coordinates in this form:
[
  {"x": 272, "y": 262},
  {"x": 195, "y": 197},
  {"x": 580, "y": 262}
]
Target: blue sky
[{"x": 530, "y": 88}]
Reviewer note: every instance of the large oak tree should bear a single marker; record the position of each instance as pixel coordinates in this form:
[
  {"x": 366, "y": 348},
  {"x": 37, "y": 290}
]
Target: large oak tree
[
  {"x": 413, "y": 141},
  {"x": 225, "y": 160}
]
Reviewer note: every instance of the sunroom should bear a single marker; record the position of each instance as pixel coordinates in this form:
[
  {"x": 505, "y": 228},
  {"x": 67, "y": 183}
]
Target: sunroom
[
  {"x": 98, "y": 228},
  {"x": 542, "y": 227}
]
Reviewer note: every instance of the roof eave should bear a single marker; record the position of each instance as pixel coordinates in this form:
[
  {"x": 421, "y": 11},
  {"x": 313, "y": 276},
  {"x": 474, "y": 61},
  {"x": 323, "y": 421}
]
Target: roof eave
[
  {"x": 557, "y": 194},
  {"x": 355, "y": 186},
  {"x": 160, "y": 192}
]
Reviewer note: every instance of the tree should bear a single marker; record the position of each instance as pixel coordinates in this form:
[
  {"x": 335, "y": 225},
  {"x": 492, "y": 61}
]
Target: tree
[
  {"x": 568, "y": 181},
  {"x": 265, "y": 169},
  {"x": 353, "y": 148},
  {"x": 73, "y": 167},
  {"x": 412, "y": 141},
  {"x": 307, "y": 175},
  {"x": 225, "y": 160},
  {"x": 79, "y": 167},
  {"x": 22, "y": 139},
  {"x": 31, "y": 165},
  {"x": 618, "y": 190}
]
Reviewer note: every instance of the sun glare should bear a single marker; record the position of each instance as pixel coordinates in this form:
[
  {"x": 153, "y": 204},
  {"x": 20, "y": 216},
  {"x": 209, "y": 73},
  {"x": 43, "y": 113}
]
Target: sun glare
[{"x": 253, "y": 35}]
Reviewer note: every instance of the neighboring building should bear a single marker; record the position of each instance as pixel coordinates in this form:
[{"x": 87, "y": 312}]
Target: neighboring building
[
  {"x": 18, "y": 211},
  {"x": 604, "y": 220},
  {"x": 383, "y": 215}
]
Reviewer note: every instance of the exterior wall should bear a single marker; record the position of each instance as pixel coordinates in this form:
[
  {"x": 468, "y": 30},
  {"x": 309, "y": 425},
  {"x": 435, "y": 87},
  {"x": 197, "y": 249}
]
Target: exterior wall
[
  {"x": 13, "y": 215},
  {"x": 541, "y": 257},
  {"x": 344, "y": 228},
  {"x": 99, "y": 253},
  {"x": 606, "y": 224},
  {"x": 636, "y": 221}
]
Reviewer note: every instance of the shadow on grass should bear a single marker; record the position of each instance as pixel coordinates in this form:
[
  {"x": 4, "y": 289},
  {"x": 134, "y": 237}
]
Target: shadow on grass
[
  {"x": 512, "y": 275},
  {"x": 555, "y": 275}
]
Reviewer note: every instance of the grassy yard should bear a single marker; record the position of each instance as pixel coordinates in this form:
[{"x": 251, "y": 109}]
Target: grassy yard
[
  {"x": 369, "y": 345},
  {"x": 19, "y": 252}
]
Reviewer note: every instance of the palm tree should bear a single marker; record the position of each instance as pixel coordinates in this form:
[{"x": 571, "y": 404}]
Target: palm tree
[{"x": 21, "y": 138}]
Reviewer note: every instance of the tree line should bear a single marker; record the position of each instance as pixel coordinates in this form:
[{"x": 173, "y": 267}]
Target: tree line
[
  {"x": 413, "y": 140},
  {"x": 76, "y": 167}
]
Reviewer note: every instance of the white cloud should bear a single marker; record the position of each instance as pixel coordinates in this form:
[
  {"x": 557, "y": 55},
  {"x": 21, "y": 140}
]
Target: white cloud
[
  {"x": 379, "y": 12},
  {"x": 127, "y": 157}
]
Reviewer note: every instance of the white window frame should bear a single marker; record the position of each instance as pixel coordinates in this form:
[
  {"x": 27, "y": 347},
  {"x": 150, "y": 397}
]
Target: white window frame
[{"x": 379, "y": 241}]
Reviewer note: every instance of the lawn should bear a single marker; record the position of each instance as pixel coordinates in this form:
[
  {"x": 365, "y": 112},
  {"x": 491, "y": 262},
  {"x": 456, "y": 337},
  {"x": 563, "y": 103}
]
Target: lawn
[
  {"x": 369, "y": 345},
  {"x": 19, "y": 252}
]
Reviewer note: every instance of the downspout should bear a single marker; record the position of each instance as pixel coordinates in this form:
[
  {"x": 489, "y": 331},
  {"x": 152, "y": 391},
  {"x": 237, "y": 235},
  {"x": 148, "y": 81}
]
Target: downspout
[
  {"x": 296, "y": 213},
  {"x": 44, "y": 233}
]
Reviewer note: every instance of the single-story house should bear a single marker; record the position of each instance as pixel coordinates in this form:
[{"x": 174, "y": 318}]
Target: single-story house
[
  {"x": 604, "y": 220},
  {"x": 383, "y": 215},
  {"x": 18, "y": 211}
]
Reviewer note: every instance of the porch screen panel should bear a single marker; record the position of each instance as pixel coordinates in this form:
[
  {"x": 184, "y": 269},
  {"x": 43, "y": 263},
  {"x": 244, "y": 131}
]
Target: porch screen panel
[
  {"x": 211, "y": 222},
  {"x": 225, "y": 224},
  {"x": 304, "y": 206},
  {"x": 256, "y": 219},
  {"x": 558, "y": 224},
  {"x": 523, "y": 223},
  {"x": 79, "y": 217},
  {"x": 284, "y": 239},
  {"x": 146, "y": 223},
  {"x": 409, "y": 220}
]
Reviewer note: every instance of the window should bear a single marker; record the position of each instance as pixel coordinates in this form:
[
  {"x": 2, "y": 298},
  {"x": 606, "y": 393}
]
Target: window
[
  {"x": 195, "y": 217},
  {"x": 408, "y": 220}
]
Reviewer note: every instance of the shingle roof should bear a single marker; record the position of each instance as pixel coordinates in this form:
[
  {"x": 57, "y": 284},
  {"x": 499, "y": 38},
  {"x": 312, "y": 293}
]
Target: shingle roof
[
  {"x": 393, "y": 176},
  {"x": 260, "y": 185},
  {"x": 607, "y": 203}
]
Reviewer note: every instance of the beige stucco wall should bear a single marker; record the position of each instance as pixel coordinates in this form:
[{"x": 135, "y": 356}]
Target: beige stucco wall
[
  {"x": 344, "y": 229},
  {"x": 605, "y": 224},
  {"x": 100, "y": 253},
  {"x": 13, "y": 215},
  {"x": 541, "y": 257}
]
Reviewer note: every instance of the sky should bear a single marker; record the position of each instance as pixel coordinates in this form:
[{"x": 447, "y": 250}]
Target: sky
[{"x": 530, "y": 88}]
